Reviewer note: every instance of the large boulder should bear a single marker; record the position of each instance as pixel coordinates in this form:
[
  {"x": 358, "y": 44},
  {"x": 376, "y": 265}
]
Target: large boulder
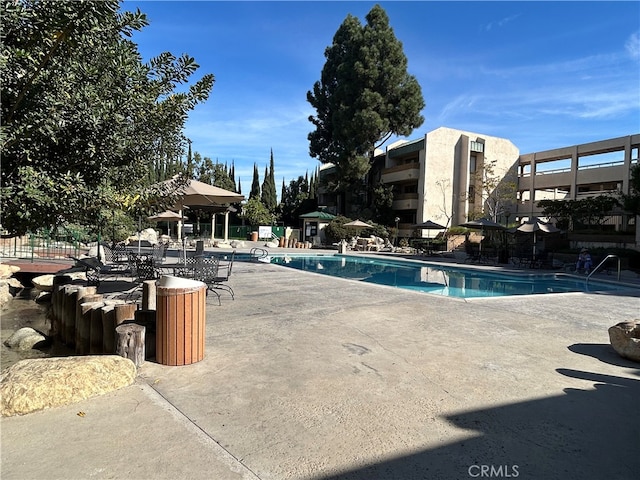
[
  {"x": 625, "y": 339},
  {"x": 25, "y": 339},
  {"x": 35, "y": 384},
  {"x": 7, "y": 271},
  {"x": 44, "y": 283}
]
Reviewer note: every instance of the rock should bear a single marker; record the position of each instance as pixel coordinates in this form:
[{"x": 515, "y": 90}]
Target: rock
[
  {"x": 44, "y": 283},
  {"x": 7, "y": 271},
  {"x": 36, "y": 384},
  {"x": 625, "y": 339},
  {"x": 148, "y": 234},
  {"x": 25, "y": 339},
  {"x": 8, "y": 289}
]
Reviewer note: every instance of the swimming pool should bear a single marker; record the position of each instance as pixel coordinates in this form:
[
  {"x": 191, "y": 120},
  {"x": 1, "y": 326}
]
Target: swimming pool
[{"x": 439, "y": 279}]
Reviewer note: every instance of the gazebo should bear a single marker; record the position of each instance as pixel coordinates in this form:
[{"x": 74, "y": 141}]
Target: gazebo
[{"x": 313, "y": 224}]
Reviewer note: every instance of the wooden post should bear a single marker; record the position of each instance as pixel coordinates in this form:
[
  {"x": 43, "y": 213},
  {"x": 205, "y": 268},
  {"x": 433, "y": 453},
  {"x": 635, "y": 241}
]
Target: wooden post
[
  {"x": 84, "y": 297},
  {"x": 84, "y": 325},
  {"x": 96, "y": 331},
  {"x": 65, "y": 301},
  {"x": 123, "y": 312},
  {"x": 147, "y": 318},
  {"x": 69, "y": 315},
  {"x": 57, "y": 299},
  {"x": 130, "y": 342},
  {"x": 149, "y": 295},
  {"x": 109, "y": 329},
  {"x": 109, "y": 326}
]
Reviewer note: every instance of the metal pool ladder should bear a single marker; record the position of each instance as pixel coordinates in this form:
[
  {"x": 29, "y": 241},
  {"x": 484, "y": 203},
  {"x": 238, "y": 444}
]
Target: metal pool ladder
[{"x": 602, "y": 263}]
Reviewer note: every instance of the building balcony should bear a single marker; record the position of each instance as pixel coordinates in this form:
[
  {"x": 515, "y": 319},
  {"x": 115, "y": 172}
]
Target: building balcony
[
  {"x": 405, "y": 201},
  {"x": 401, "y": 173}
]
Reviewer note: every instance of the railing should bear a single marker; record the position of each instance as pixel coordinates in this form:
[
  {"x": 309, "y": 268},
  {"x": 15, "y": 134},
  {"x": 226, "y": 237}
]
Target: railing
[
  {"x": 258, "y": 254},
  {"x": 41, "y": 245},
  {"x": 602, "y": 263}
]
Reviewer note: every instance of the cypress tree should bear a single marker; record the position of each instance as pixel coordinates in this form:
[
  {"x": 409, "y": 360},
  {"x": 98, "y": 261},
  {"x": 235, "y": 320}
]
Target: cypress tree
[{"x": 255, "y": 185}]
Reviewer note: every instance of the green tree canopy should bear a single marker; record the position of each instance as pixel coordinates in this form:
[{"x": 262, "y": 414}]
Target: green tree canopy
[
  {"x": 631, "y": 201},
  {"x": 364, "y": 96},
  {"x": 84, "y": 120}
]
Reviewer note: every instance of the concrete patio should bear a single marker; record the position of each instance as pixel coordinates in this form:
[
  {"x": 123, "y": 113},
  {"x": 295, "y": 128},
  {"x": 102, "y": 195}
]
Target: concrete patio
[{"x": 311, "y": 377}]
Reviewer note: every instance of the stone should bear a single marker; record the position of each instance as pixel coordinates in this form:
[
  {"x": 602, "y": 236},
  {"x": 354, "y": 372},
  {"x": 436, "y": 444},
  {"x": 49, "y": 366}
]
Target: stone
[
  {"x": 36, "y": 384},
  {"x": 25, "y": 339},
  {"x": 7, "y": 271},
  {"x": 625, "y": 339},
  {"x": 44, "y": 283}
]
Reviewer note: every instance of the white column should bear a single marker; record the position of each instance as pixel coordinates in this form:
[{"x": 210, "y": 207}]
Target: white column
[
  {"x": 226, "y": 226},
  {"x": 213, "y": 226}
]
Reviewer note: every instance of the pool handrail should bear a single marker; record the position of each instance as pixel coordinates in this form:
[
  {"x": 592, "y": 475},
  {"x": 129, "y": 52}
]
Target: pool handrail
[{"x": 602, "y": 263}]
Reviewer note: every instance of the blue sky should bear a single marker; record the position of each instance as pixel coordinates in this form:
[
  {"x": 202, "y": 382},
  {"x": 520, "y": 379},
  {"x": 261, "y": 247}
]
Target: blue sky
[{"x": 542, "y": 74}]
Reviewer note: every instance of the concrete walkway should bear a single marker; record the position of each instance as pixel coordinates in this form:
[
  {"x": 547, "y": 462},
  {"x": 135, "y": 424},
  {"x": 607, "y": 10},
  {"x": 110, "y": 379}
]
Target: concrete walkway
[{"x": 311, "y": 377}]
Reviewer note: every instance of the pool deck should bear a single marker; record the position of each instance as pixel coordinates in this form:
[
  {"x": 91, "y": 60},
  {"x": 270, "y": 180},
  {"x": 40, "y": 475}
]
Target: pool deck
[{"x": 311, "y": 377}]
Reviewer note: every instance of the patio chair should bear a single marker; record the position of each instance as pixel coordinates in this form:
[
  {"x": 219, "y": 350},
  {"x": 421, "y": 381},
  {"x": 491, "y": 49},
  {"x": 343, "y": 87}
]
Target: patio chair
[
  {"x": 159, "y": 253},
  {"x": 219, "y": 282},
  {"x": 205, "y": 270},
  {"x": 144, "y": 270}
]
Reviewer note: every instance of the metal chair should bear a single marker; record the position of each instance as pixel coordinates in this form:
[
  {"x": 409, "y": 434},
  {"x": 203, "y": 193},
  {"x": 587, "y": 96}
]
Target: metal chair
[{"x": 222, "y": 277}]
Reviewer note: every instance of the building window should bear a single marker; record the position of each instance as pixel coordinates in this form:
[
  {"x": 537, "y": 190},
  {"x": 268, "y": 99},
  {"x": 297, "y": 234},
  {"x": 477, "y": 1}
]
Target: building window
[
  {"x": 472, "y": 194},
  {"x": 473, "y": 164},
  {"x": 476, "y": 147}
]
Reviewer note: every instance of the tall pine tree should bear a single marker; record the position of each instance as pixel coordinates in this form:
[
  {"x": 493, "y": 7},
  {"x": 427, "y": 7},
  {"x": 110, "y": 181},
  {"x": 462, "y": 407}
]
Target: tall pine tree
[{"x": 255, "y": 185}]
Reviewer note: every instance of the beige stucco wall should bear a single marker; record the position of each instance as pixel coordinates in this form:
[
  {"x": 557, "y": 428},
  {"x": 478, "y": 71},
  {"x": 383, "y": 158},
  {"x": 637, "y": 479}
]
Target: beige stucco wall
[{"x": 446, "y": 160}]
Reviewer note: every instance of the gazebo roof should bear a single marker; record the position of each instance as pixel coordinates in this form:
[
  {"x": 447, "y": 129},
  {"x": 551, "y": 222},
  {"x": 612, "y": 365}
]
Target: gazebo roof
[{"x": 318, "y": 215}]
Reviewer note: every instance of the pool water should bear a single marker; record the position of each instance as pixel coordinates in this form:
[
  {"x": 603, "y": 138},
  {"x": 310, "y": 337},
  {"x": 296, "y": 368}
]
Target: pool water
[{"x": 438, "y": 279}]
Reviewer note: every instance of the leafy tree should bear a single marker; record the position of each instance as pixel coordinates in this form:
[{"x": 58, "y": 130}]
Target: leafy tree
[
  {"x": 83, "y": 119},
  {"x": 364, "y": 96},
  {"x": 631, "y": 201},
  {"x": 296, "y": 201},
  {"x": 383, "y": 204},
  {"x": 256, "y": 213},
  {"x": 573, "y": 214}
]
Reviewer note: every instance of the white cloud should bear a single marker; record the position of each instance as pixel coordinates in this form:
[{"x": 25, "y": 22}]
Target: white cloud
[
  {"x": 632, "y": 45},
  {"x": 500, "y": 23}
]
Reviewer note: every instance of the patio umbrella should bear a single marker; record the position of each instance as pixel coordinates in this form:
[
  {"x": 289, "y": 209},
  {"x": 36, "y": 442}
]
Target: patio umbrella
[
  {"x": 428, "y": 225},
  {"x": 482, "y": 224},
  {"x": 196, "y": 193},
  {"x": 534, "y": 226},
  {"x": 358, "y": 224},
  {"x": 166, "y": 216}
]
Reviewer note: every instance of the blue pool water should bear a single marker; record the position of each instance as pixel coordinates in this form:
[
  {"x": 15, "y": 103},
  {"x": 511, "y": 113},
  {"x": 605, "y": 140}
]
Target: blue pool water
[{"x": 439, "y": 279}]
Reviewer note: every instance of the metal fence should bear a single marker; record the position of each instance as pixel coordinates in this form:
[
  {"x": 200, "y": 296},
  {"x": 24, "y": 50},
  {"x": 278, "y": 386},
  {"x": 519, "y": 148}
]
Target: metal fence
[{"x": 42, "y": 245}]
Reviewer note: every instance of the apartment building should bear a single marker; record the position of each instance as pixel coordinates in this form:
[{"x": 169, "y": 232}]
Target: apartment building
[
  {"x": 439, "y": 177},
  {"x": 579, "y": 171}
]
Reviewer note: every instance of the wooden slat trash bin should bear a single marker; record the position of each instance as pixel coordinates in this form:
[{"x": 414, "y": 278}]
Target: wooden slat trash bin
[{"x": 180, "y": 321}]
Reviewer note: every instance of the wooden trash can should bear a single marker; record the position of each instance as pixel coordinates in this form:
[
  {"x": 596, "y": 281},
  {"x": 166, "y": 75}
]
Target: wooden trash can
[{"x": 180, "y": 321}]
